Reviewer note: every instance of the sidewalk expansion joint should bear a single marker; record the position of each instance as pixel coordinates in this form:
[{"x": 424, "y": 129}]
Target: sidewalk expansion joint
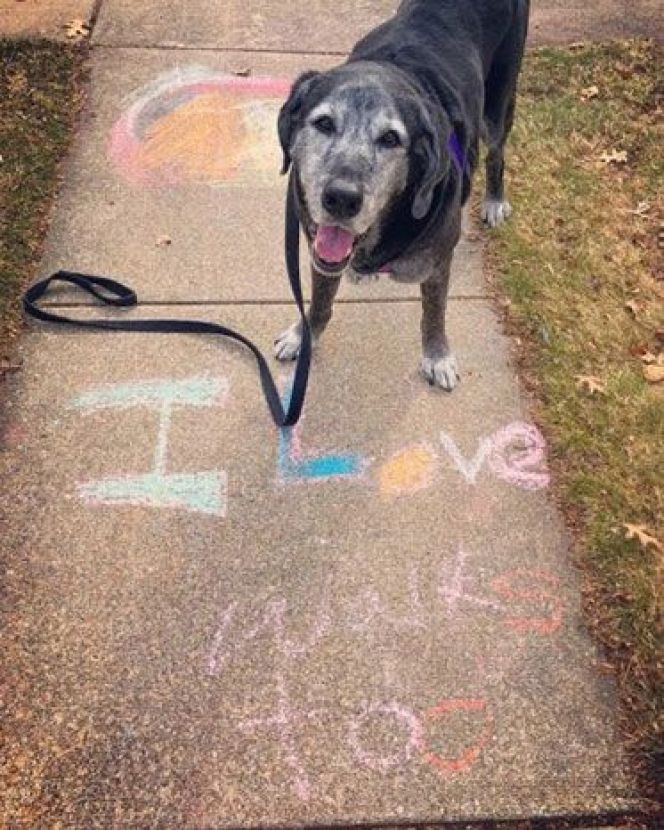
[
  {"x": 182, "y": 47},
  {"x": 221, "y": 303}
]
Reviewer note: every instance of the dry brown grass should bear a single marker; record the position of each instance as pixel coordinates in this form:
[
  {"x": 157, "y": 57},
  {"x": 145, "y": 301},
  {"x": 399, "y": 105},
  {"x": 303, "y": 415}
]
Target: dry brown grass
[
  {"x": 38, "y": 103},
  {"x": 579, "y": 271}
]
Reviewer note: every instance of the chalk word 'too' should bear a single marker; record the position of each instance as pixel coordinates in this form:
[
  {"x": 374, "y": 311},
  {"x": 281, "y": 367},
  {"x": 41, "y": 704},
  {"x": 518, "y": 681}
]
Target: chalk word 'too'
[{"x": 201, "y": 492}]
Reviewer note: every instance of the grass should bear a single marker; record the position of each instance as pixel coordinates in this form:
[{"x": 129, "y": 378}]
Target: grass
[
  {"x": 39, "y": 99},
  {"x": 579, "y": 273}
]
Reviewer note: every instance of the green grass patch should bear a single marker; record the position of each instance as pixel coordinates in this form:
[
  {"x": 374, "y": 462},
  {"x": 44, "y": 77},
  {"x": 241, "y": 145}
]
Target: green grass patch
[
  {"x": 39, "y": 100},
  {"x": 581, "y": 267}
]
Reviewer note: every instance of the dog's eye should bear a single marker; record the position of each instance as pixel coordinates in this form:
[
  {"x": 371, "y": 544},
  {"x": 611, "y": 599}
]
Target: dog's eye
[
  {"x": 389, "y": 140},
  {"x": 324, "y": 124}
]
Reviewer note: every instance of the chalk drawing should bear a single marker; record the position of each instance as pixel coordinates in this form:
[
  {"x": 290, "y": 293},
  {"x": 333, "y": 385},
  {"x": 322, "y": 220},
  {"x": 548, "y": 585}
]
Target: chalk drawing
[
  {"x": 369, "y": 614},
  {"x": 518, "y": 449},
  {"x": 284, "y": 722},
  {"x": 515, "y": 586},
  {"x": 515, "y": 453},
  {"x": 408, "y": 471},
  {"x": 200, "y": 492},
  {"x": 195, "y": 125},
  {"x": 469, "y": 468},
  {"x": 406, "y": 719},
  {"x": 445, "y": 709},
  {"x": 452, "y": 590},
  {"x": 294, "y": 466}
]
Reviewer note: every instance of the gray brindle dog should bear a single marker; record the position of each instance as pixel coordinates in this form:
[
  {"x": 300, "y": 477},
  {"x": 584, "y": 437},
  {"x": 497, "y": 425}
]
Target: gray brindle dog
[{"x": 384, "y": 147}]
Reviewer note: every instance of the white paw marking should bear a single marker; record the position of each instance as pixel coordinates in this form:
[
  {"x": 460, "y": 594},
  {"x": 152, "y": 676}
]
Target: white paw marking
[
  {"x": 287, "y": 345},
  {"x": 495, "y": 212},
  {"x": 441, "y": 371},
  {"x": 360, "y": 279}
]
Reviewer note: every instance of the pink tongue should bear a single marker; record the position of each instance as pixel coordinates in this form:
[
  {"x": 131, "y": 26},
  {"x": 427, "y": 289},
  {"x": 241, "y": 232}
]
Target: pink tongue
[{"x": 333, "y": 244}]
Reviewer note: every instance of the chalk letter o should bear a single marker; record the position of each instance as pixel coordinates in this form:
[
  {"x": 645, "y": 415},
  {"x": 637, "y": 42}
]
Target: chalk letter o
[{"x": 391, "y": 710}]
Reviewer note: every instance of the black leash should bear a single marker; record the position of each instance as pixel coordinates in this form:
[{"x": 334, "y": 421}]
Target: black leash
[{"x": 113, "y": 293}]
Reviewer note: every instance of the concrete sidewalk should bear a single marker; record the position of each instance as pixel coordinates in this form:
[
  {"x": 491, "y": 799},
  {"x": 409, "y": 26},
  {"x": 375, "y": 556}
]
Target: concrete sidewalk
[{"x": 368, "y": 620}]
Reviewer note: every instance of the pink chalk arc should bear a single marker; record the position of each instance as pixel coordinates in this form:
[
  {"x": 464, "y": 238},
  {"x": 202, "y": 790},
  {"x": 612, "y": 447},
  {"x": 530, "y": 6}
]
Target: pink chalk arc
[{"x": 159, "y": 100}]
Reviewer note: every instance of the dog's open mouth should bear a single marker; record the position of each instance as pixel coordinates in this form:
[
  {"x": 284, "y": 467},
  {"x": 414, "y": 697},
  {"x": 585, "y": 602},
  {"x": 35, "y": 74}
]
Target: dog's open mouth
[{"x": 333, "y": 248}]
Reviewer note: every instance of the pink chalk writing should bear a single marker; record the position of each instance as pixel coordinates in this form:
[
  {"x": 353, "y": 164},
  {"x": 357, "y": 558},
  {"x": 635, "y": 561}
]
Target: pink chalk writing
[
  {"x": 284, "y": 722},
  {"x": 405, "y": 718},
  {"x": 216, "y": 657},
  {"x": 518, "y": 456},
  {"x": 370, "y": 611},
  {"x": 452, "y": 589},
  {"x": 515, "y": 453},
  {"x": 527, "y": 600}
]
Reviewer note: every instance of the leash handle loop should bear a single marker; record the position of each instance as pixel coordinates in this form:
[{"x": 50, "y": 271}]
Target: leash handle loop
[{"x": 113, "y": 293}]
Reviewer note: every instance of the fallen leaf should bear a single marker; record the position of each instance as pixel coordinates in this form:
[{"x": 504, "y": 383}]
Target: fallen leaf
[
  {"x": 163, "y": 241},
  {"x": 641, "y": 209},
  {"x": 76, "y": 29},
  {"x": 589, "y": 93},
  {"x": 643, "y": 536},
  {"x": 653, "y": 373},
  {"x": 614, "y": 157},
  {"x": 592, "y": 384}
]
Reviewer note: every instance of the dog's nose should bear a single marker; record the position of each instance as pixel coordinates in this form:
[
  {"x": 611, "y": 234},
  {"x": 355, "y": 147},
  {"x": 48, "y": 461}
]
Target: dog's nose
[{"x": 342, "y": 200}]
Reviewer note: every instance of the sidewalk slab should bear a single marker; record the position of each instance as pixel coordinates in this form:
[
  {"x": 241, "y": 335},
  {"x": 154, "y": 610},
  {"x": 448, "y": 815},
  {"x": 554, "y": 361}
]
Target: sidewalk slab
[
  {"x": 183, "y": 214},
  {"x": 42, "y": 18},
  {"x": 315, "y": 26},
  {"x": 334, "y": 28},
  {"x": 371, "y": 619}
]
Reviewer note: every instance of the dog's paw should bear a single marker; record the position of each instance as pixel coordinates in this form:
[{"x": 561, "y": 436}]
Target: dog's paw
[
  {"x": 360, "y": 279},
  {"x": 441, "y": 371},
  {"x": 495, "y": 212},
  {"x": 287, "y": 345}
]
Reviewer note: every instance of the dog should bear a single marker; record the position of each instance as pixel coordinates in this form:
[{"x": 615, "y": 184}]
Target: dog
[{"x": 382, "y": 150}]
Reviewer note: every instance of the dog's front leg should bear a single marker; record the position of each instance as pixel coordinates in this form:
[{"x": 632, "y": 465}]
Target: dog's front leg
[
  {"x": 439, "y": 365},
  {"x": 323, "y": 291}
]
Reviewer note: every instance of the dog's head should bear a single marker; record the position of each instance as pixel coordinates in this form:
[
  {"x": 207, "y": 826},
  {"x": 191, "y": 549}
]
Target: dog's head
[{"x": 360, "y": 137}]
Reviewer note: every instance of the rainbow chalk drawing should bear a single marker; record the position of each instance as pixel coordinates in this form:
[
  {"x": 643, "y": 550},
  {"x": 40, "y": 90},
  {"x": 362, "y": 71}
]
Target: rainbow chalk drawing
[
  {"x": 197, "y": 126},
  {"x": 200, "y": 492}
]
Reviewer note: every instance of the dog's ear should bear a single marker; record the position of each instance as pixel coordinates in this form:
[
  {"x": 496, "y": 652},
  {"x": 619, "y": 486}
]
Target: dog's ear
[
  {"x": 290, "y": 115},
  {"x": 432, "y": 162}
]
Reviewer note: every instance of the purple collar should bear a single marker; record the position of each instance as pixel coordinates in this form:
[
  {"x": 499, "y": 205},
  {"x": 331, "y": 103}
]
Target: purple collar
[{"x": 456, "y": 151}]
